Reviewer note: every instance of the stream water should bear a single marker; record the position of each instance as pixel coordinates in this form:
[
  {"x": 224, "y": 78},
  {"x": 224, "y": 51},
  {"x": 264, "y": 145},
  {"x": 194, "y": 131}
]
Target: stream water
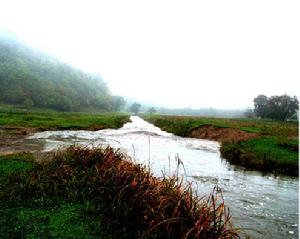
[{"x": 264, "y": 204}]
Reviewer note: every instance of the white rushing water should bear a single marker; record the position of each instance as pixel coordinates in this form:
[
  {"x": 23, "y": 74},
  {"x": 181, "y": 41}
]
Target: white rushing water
[{"x": 266, "y": 204}]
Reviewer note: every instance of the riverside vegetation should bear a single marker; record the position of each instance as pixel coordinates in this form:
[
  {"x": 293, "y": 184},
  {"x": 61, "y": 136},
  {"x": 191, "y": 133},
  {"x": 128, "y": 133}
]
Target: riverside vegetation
[
  {"x": 100, "y": 193},
  {"x": 15, "y": 124},
  {"x": 96, "y": 193},
  {"x": 269, "y": 146},
  {"x": 40, "y": 120}
]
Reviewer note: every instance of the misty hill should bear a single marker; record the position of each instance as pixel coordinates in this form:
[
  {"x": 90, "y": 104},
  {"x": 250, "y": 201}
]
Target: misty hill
[{"x": 30, "y": 78}]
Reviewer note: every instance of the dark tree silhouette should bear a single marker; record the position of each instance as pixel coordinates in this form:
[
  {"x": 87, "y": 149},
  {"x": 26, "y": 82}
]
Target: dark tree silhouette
[
  {"x": 282, "y": 107},
  {"x": 276, "y": 107},
  {"x": 261, "y": 106}
]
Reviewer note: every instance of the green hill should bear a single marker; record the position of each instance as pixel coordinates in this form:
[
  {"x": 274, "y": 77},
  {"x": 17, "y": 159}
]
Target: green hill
[{"x": 34, "y": 79}]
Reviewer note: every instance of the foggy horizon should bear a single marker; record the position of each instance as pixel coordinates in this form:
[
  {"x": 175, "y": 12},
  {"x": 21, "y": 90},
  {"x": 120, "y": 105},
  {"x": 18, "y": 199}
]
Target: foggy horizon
[{"x": 170, "y": 54}]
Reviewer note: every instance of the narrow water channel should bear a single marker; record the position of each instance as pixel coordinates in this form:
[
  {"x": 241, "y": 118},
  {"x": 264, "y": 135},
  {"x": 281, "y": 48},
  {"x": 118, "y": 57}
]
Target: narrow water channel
[{"x": 265, "y": 204}]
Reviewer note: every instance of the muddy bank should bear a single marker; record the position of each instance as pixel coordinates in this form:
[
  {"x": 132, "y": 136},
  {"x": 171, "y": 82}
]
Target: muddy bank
[
  {"x": 272, "y": 148},
  {"x": 221, "y": 134},
  {"x": 12, "y": 139},
  {"x": 234, "y": 151}
]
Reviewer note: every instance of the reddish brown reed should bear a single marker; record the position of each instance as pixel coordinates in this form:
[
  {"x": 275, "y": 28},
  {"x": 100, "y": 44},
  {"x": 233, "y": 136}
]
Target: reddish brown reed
[{"x": 129, "y": 196}]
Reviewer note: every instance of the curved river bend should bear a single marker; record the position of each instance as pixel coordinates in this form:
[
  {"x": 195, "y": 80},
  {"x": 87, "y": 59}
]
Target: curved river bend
[{"x": 265, "y": 204}]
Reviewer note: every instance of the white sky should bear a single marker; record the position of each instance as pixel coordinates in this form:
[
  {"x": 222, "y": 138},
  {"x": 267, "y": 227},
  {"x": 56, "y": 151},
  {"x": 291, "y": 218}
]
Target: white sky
[{"x": 212, "y": 53}]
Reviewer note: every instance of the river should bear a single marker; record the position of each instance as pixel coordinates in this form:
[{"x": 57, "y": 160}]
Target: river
[{"x": 266, "y": 206}]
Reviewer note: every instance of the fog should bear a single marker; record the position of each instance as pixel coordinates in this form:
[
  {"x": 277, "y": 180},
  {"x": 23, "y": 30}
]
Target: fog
[{"x": 196, "y": 54}]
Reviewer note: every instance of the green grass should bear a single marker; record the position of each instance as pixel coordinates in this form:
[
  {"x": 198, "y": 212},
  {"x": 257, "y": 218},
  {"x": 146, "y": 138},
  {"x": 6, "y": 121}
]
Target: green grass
[
  {"x": 268, "y": 147},
  {"x": 264, "y": 154},
  {"x": 54, "y": 120},
  {"x": 275, "y": 148},
  {"x": 182, "y": 125},
  {"x": 64, "y": 221},
  {"x": 17, "y": 162}
]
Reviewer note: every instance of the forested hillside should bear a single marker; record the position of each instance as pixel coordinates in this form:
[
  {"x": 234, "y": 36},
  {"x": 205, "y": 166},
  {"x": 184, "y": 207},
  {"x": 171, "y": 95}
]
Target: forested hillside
[{"x": 33, "y": 79}]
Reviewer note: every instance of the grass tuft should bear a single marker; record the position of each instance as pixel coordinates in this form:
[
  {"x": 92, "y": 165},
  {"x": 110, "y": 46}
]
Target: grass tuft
[{"x": 103, "y": 185}]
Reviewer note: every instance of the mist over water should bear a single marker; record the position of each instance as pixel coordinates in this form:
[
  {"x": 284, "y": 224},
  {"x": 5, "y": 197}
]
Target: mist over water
[{"x": 264, "y": 204}]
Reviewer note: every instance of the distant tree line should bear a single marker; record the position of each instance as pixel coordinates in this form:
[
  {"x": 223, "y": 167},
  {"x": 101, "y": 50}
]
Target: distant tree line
[
  {"x": 202, "y": 112},
  {"x": 135, "y": 108},
  {"x": 32, "y": 79},
  {"x": 281, "y": 107}
]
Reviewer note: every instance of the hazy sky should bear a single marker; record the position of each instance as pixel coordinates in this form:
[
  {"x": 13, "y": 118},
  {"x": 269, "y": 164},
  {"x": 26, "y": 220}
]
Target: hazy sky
[{"x": 175, "y": 53}]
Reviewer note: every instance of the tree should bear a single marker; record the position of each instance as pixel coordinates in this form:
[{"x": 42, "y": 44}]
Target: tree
[
  {"x": 151, "y": 110},
  {"x": 276, "y": 107},
  {"x": 282, "y": 107},
  {"x": 135, "y": 107},
  {"x": 261, "y": 106}
]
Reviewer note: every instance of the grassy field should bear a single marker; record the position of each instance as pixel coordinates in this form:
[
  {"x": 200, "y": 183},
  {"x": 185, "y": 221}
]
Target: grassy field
[
  {"x": 273, "y": 147},
  {"x": 84, "y": 193},
  {"x": 49, "y": 120}
]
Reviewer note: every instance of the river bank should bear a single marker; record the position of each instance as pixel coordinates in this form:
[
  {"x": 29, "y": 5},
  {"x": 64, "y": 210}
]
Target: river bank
[
  {"x": 16, "y": 125},
  {"x": 50, "y": 120},
  {"x": 99, "y": 193},
  {"x": 267, "y": 146}
]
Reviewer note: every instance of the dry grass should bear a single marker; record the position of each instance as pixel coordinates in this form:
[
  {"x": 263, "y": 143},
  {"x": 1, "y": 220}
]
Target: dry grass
[{"x": 133, "y": 203}]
